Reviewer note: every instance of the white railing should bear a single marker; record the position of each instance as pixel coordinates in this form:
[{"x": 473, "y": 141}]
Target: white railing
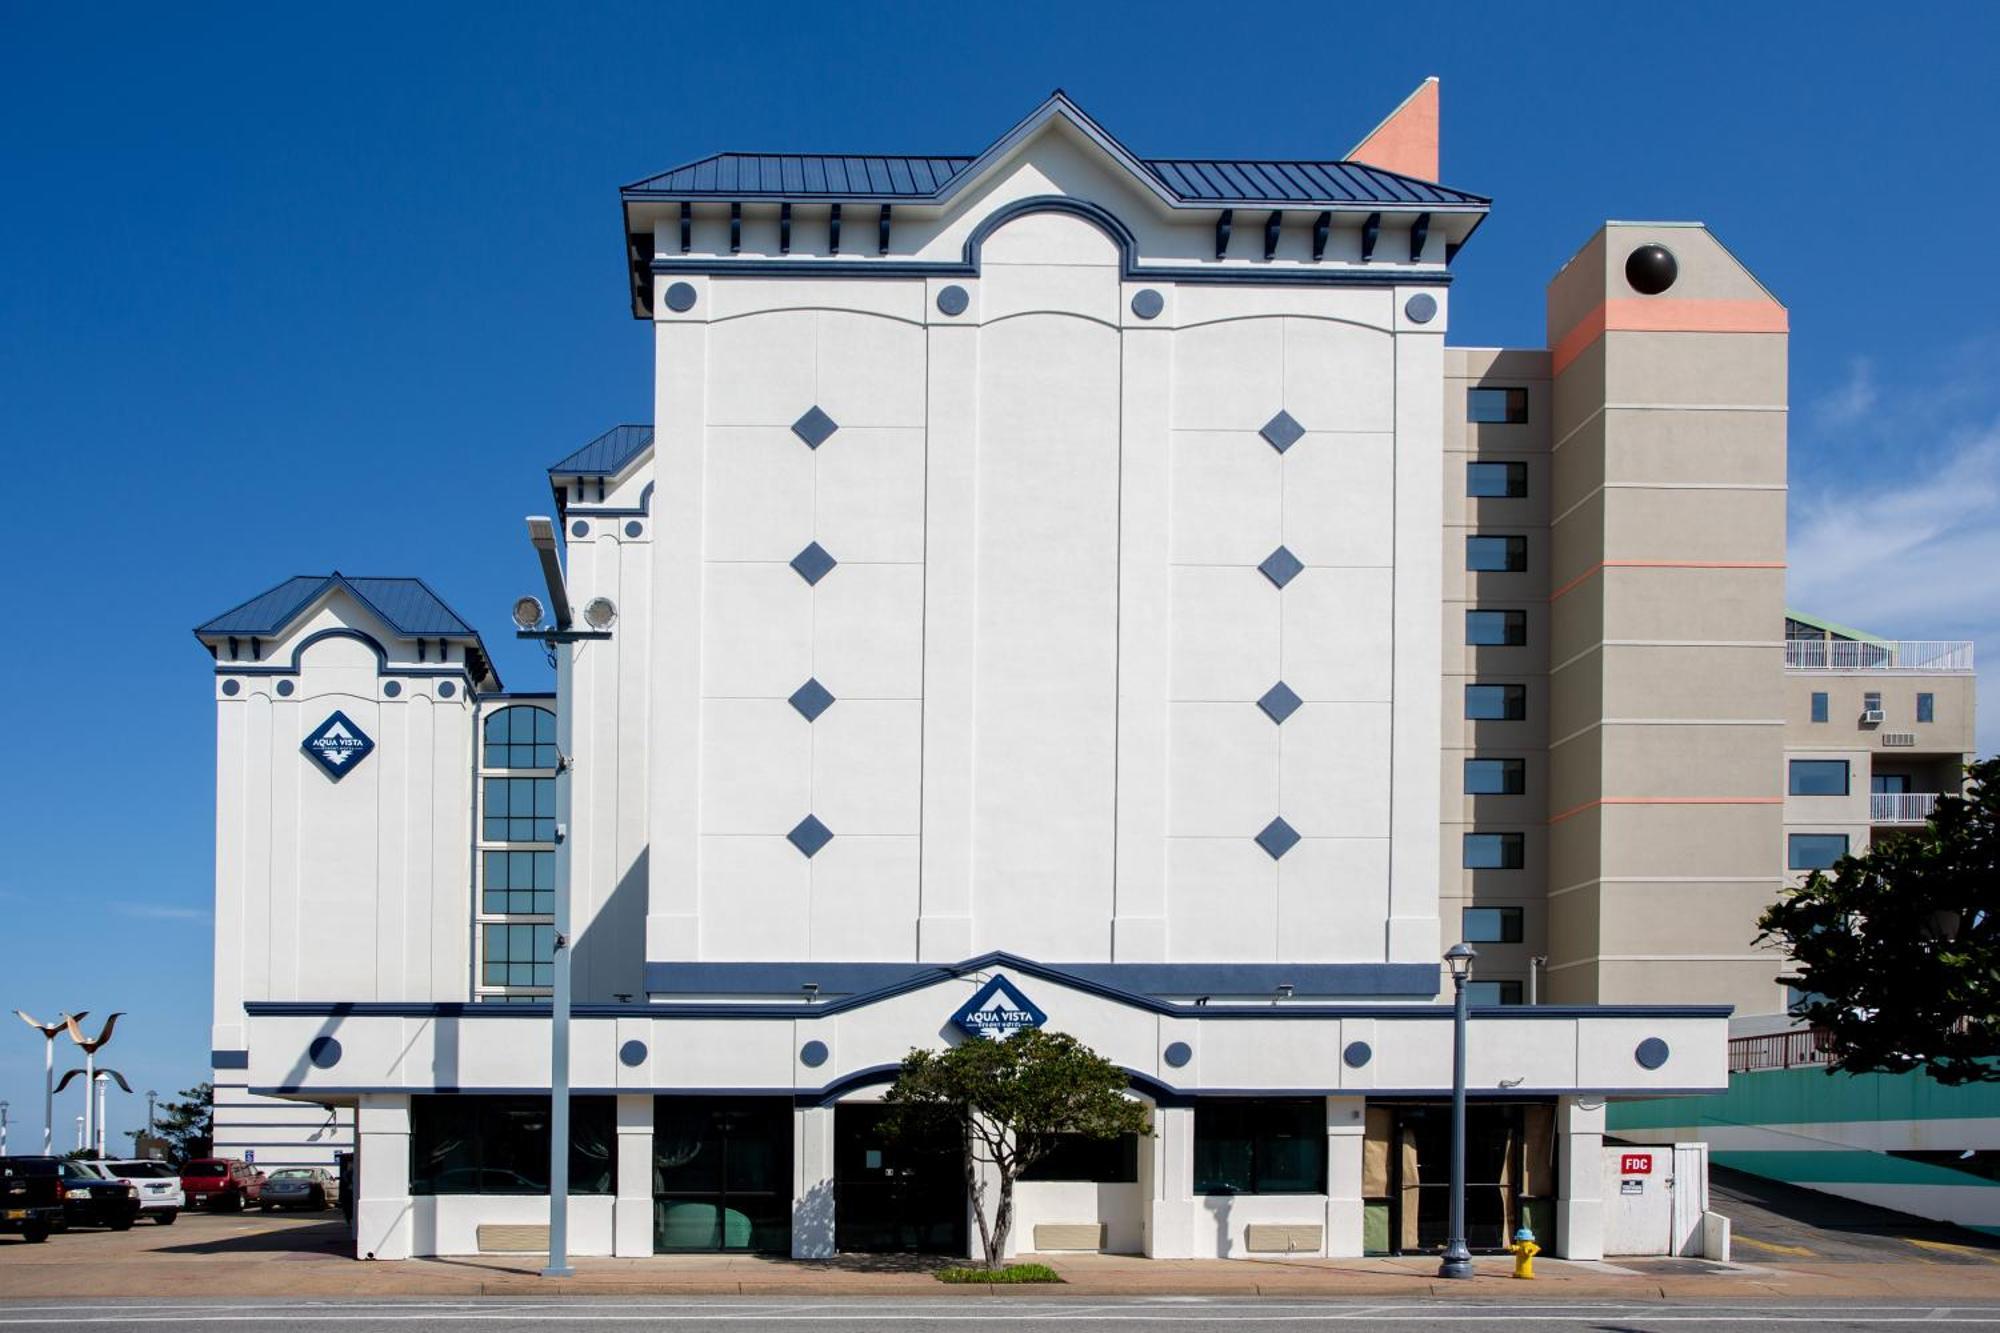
[
  {"x": 1901, "y": 807},
  {"x": 1854, "y": 655}
]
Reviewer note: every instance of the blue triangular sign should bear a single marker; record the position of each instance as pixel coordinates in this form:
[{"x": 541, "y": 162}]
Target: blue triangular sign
[{"x": 998, "y": 1010}]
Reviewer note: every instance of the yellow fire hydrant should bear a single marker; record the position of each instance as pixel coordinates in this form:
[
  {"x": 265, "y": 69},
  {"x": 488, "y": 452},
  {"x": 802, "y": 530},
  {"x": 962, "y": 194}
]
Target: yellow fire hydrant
[{"x": 1524, "y": 1251}]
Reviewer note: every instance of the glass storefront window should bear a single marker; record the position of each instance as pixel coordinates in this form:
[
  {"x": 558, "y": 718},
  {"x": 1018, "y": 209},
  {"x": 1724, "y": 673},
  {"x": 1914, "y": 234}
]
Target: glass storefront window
[
  {"x": 475, "y": 1144},
  {"x": 1259, "y": 1146}
]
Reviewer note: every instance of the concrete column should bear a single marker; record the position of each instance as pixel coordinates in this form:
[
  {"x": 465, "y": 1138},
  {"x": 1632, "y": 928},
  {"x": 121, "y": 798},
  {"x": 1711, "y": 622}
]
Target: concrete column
[
  {"x": 382, "y": 1212},
  {"x": 1170, "y": 1192},
  {"x": 632, "y": 1213},
  {"x": 1346, "y": 1125},
  {"x": 1580, "y": 1205},
  {"x": 812, "y": 1183}
]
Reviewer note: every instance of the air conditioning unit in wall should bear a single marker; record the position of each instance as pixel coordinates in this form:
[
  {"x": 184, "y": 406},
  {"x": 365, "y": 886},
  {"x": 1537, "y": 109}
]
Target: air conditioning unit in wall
[{"x": 1871, "y": 716}]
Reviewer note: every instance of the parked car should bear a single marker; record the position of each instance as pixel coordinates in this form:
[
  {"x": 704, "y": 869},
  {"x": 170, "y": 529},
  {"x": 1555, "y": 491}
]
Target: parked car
[
  {"x": 92, "y": 1197},
  {"x": 300, "y": 1187},
  {"x": 221, "y": 1182},
  {"x": 160, "y": 1195},
  {"x": 31, "y": 1196}
]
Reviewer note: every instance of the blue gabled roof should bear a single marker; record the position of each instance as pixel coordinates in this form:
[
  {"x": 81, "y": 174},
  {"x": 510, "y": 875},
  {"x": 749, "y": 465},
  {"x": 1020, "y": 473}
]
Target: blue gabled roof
[
  {"x": 805, "y": 176},
  {"x": 607, "y": 455},
  {"x": 406, "y": 605},
  {"x": 1236, "y": 181}
]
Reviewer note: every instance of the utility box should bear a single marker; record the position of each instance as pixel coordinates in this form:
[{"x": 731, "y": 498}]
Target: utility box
[{"x": 1656, "y": 1200}]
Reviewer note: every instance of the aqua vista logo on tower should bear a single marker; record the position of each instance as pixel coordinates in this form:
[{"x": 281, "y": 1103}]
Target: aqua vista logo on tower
[
  {"x": 998, "y": 1010},
  {"x": 337, "y": 746}
]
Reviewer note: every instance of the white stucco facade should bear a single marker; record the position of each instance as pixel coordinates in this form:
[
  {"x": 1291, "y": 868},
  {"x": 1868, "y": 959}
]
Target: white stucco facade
[{"x": 1029, "y": 585}]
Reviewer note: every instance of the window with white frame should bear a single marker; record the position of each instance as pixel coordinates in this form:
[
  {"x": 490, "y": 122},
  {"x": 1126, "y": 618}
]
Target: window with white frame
[{"x": 516, "y": 864}]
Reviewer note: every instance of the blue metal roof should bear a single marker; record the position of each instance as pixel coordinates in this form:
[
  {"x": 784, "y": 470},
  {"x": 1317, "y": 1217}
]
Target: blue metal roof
[
  {"x": 407, "y": 605},
  {"x": 607, "y": 455},
  {"x": 1231, "y": 181}
]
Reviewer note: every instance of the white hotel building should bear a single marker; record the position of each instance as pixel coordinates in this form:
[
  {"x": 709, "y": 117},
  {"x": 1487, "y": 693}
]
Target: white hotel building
[{"x": 1043, "y": 565}]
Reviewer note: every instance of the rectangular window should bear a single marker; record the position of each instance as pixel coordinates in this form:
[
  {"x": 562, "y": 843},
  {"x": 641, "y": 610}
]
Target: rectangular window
[
  {"x": 1260, "y": 1147},
  {"x": 1496, "y": 629},
  {"x": 517, "y": 953},
  {"x": 1504, "y": 407},
  {"x": 1819, "y": 777},
  {"x": 1889, "y": 784},
  {"x": 1493, "y": 851},
  {"x": 1815, "y": 851},
  {"x": 1496, "y": 481},
  {"x": 1926, "y": 708},
  {"x": 518, "y": 883},
  {"x": 1496, "y": 777},
  {"x": 1492, "y": 992},
  {"x": 1112, "y": 1161},
  {"x": 500, "y": 1145},
  {"x": 1496, "y": 703},
  {"x": 1871, "y": 702},
  {"x": 1490, "y": 925},
  {"x": 1500, "y": 554},
  {"x": 519, "y": 809},
  {"x": 1819, "y": 706}
]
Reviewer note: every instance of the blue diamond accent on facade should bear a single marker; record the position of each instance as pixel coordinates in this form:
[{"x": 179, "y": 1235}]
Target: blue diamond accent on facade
[
  {"x": 813, "y": 563},
  {"x": 811, "y": 699},
  {"x": 815, "y": 427},
  {"x": 1281, "y": 566},
  {"x": 1279, "y": 702},
  {"x": 337, "y": 746},
  {"x": 1281, "y": 432},
  {"x": 809, "y": 836},
  {"x": 1278, "y": 838}
]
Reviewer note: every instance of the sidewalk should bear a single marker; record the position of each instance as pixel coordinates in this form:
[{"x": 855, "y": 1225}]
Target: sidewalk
[{"x": 251, "y": 1258}]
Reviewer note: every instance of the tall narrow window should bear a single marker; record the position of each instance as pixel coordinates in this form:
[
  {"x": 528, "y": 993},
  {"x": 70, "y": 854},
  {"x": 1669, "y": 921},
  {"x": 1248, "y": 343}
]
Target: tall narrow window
[
  {"x": 1819, "y": 706},
  {"x": 516, "y": 865},
  {"x": 1926, "y": 708}
]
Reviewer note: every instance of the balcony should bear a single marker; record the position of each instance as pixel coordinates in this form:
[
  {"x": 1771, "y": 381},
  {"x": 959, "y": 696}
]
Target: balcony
[
  {"x": 1797, "y": 1049},
  {"x": 1901, "y": 807},
  {"x": 1913, "y": 655}
]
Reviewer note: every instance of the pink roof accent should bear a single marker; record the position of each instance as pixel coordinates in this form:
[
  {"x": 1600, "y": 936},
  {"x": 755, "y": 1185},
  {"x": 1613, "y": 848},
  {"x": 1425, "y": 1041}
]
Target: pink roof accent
[{"x": 1407, "y": 139}]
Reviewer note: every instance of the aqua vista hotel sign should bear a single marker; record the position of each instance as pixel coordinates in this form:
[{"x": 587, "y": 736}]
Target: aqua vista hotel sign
[
  {"x": 337, "y": 746},
  {"x": 997, "y": 1011}
]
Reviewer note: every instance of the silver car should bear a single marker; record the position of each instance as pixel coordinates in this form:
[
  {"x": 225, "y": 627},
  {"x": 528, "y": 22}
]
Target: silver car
[{"x": 300, "y": 1187}]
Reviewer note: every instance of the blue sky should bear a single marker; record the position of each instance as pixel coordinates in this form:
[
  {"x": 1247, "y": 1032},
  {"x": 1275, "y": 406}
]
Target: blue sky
[{"x": 290, "y": 289}]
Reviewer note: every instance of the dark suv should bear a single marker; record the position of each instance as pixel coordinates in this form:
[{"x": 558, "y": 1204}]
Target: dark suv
[
  {"x": 92, "y": 1197},
  {"x": 30, "y": 1196}
]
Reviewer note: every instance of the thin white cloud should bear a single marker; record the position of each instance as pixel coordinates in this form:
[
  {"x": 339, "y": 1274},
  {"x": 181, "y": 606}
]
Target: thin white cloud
[
  {"x": 160, "y": 912},
  {"x": 1852, "y": 401}
]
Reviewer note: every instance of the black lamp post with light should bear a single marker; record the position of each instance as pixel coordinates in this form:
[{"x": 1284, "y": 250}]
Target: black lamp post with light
[{"x": 1457, "y": 1260}]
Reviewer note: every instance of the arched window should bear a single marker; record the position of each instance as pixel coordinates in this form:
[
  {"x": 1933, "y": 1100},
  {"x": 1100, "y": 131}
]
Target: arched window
[{"x": 521, "y": 736}]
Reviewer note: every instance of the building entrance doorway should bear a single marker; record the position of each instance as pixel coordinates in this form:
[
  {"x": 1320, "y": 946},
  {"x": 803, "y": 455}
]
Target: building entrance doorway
[
  {"x": 722, "y": 1174},
  {"x": 897, "y": 1194},
  {"x": 1509, "y": 1175}
]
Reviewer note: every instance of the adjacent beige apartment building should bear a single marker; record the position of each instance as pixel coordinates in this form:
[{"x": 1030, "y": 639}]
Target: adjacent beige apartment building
[{"x": 1643, "y": 745}]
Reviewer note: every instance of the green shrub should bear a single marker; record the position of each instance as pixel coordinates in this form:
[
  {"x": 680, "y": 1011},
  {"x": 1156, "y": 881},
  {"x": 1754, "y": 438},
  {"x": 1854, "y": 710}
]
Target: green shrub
[{"x": 1011, "y": 1273}]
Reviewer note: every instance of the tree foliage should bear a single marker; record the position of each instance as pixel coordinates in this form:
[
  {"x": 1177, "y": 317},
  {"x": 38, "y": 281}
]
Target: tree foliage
[
  {"x": 1898, "y": 948},
  {"x": 1012, "y": 1096},
  {"x": 187, "y": 1125}
]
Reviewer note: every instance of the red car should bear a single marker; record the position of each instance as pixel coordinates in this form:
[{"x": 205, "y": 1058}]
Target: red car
[{"x": 221, "y": 1182}]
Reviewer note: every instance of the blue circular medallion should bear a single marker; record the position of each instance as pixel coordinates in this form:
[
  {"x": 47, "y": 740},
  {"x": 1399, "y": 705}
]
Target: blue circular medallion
[
  {"x": 285, "y": 688},
  {"x": 1177, "y": 1054},
  {"x": 632, "y": 1054},
  {"x": 446, "y": 689},
  {"x": 680, "y": 298},
  {"x": 633, "y": 529},
  {"x": 953, "y": 299},
  {"x": 813, "y": 1054},
  {"x": 230, "y": 687},
  {"x": 1651, "y": 1053},
  {"x": 1357, "y": 1054},
  {"x": 1421, "y": 308},
  {"x": 579, "y": 529},
  {"x": 324, "y": 1052},
  {"x": 1147, "y": 303},
  {"x": 392, "y": 688}
]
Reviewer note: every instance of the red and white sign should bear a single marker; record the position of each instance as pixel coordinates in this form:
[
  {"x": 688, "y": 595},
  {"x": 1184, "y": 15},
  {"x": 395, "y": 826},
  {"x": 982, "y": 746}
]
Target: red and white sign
[{"x": 1635, "y": 1164}]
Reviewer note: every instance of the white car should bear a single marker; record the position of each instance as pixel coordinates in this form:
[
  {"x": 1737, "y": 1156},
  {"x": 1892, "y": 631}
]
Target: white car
[{"x": 159, "y": 1187}]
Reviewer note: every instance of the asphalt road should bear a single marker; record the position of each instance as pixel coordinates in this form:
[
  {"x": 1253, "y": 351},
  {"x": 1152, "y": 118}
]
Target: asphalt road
[{"x": 964, "y": 1314}]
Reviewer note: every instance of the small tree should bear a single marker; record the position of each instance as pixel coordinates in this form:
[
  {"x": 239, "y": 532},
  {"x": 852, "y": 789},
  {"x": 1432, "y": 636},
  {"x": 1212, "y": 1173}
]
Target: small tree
[
  {"x": 1898, "y": 949},
  {"x": 188, "y": 1125},
  {"x": 1013, "y": 1095}
]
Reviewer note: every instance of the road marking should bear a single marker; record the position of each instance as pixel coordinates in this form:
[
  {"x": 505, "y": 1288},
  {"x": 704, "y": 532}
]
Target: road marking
[
  {"x": 1798, "y": 1250},
  {"x": 1948, "y": 1248}
]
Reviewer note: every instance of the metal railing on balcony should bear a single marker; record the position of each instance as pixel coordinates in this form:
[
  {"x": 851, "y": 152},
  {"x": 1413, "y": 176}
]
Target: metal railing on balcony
[
  {"x": 1855, "y": 655},
  {"x": 1777, "y": 1050},
  {"x": 1901, "y": 807}
]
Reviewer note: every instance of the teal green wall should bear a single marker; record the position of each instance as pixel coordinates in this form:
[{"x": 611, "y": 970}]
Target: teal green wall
[{"x": 1802, "y": 1096}]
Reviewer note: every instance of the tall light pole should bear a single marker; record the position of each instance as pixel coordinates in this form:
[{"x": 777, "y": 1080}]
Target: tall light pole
[
  {"x": 1457, "y": 1257},
  {"x": 151, "y": 1097},
  {"x": 561, "y": 636},
  {"x": 91, "y": 1046},
  {"x": 3, "y": 1129},
  {"x": 49, "y": 1032},
  {"x": 79, "y": 1133}
]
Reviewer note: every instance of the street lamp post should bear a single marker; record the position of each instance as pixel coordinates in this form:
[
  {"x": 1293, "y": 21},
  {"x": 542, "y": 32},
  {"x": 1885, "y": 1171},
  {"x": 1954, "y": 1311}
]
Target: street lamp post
[
  {"x": 561, "y": 636},
  {"x": 3, "y": 1129},
  {"x": 1457, "y": 1260},
  {"x": 151, "y": 1097}
]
